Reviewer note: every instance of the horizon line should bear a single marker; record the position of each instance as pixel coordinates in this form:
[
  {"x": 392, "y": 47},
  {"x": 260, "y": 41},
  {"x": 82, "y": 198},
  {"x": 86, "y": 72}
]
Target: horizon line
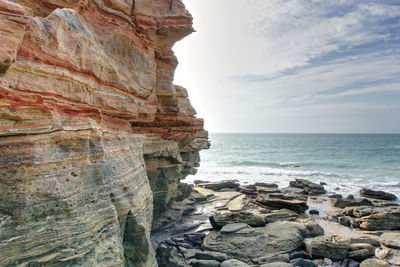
[{"x": 215, "y": 132}]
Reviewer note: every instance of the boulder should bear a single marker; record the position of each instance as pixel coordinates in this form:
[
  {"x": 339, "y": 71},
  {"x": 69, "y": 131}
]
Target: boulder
[
  {"x": 248, "y": 243},
  {"x": 392, "y": 256},
  {"x": 309, "y": 187},
  {"x": 391, "y": 239},
  {"x": 234, "y": 263},
  {"x": 219, "y": 220},
  {"x": 374, "y": 263},
  {"x": 365, "y": 192},
  {"x": 334, "y": 247}
]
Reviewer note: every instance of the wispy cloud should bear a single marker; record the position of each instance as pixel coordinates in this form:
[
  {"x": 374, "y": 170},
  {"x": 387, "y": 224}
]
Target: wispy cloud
[{"x": 273, "y": 60}]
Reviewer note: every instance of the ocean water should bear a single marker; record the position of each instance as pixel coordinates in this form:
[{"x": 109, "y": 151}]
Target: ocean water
[{"x": 346, "y": 162}]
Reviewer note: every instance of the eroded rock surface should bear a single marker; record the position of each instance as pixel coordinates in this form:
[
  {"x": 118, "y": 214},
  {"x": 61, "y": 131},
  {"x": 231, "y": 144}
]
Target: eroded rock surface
[{"x": 92, "y": 129}]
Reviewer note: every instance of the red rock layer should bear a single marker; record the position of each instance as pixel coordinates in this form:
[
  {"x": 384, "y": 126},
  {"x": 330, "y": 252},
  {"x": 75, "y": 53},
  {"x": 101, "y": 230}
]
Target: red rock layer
[{"x": 86, "y": 89}]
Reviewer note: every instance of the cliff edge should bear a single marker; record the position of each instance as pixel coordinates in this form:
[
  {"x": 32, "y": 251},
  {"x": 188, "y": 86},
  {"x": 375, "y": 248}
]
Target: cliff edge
[{"x": 94, "y": 135}]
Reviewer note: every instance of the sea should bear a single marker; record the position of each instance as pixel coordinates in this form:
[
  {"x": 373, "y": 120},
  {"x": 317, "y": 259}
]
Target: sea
[{"x": 345, "y": 162}]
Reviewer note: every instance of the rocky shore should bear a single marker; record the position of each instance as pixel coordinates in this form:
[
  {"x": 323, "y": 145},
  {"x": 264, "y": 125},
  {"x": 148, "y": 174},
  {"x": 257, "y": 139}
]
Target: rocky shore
[{"x": 232, "y": 225}]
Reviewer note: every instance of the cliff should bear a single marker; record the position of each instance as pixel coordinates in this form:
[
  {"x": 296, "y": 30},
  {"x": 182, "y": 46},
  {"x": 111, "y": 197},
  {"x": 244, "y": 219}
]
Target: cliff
[{"x": 94, "y": 136}]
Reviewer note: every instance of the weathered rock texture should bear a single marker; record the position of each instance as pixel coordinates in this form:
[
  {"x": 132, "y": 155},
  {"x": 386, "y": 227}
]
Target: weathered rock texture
[{"x": 92, "y": 129}]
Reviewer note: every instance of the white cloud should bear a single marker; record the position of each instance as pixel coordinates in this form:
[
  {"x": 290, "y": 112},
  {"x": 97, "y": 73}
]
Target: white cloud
[{"x": 284, "y": 53}]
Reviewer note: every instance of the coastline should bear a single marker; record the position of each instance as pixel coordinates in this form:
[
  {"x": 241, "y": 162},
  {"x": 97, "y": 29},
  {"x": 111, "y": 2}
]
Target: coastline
[
  {"x": 345, "y": 162},
  {"x": 228, "y": 224}
]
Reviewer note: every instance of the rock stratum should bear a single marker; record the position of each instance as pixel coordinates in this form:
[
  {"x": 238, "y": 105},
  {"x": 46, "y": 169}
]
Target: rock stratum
[{"x": 94, "y": 135}]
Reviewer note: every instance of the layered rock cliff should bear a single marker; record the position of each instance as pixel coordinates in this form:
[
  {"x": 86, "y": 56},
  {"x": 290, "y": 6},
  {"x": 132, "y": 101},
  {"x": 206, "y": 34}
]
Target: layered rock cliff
[{"x": 92, "y": 129}]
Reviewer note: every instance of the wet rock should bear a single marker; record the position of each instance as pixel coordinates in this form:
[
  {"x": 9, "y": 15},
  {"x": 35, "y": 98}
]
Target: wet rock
[
  {"x": 248, "y": 189},
  {"x": 217, "y": 186},
  {"x": 346, "y": 202},
  {"x": 280, "y": 215},
  {"x": 314, "y": 212},
  {"x": 298, "y": 254},
  {"x": 303, "y": 263},
  {"x": 334, "y": 247},
  {"x": 294, "y": 190},
  {"x": 211, "y": 255},
  {"x": 219, "y": 220},
  {"x": 344, "y": 220},
  {"x": 190, "y": 253},
  {"x": 359, "y": 255},
  {"x": 374, "y": 263},
  {"x": 365, "y": 192},
  {"x": 198, "y": 197},
  {"x": 350, "y": 263},
  {"x": 296, "y": 205},
  {"x": 267, "y": 185},
  {"x": 205, "y": 263},
  {"x": 309, "y": 187},
  {"x": 168, "y": 257},
  {"x": 335, "y": 195},
  {"x": 233, "y": 263},
  {"x": 267, "y": 190}
]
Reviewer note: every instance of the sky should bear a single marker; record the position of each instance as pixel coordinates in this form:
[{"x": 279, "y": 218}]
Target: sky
[{"x": 293, "y": 66}]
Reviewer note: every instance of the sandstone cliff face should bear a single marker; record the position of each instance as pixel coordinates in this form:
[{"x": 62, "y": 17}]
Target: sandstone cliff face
[{"x": 92, "y": 129}]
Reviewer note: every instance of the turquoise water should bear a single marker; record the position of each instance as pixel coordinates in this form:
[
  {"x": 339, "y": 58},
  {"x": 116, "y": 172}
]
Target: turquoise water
[{"x": 346, "y": 162}]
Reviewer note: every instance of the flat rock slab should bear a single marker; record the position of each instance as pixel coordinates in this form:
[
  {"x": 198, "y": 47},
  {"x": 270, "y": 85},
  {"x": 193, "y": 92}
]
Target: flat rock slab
[
  {"x": 365, "y": 192},
  {"x": 257, "y": 242},
  {"x": 391, "y": 240},
  {"x": 234, "y": 263},
  {"x": 374, "y": 263},
  {"x": 387, "y": 218},
  {"x": 281, "y": 215},
  {"x": 237, "y": 228},
  {"x": 236, "y": 204},
  {"x": 296, "y": 205}
]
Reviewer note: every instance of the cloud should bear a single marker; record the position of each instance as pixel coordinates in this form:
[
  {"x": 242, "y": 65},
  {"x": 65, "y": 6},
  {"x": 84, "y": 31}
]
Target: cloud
[{"x": 291, "y": 58}]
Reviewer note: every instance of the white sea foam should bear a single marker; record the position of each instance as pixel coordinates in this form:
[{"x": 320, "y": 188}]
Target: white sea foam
[{"x": 338, "y": 183}]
